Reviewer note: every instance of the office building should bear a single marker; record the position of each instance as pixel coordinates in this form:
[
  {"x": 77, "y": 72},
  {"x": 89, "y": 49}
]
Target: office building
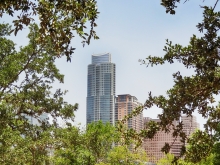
[
  {"x": 153, "y": 146},
  {"x": 124, "y": 105},
  {"x": 189, "y": 124},
  {"x": 101, "y": 89}
]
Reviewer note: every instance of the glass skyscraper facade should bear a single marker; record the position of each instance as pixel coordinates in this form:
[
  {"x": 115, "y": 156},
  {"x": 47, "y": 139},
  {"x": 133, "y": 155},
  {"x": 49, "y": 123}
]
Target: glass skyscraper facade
[{"x": 101, "y": 89}]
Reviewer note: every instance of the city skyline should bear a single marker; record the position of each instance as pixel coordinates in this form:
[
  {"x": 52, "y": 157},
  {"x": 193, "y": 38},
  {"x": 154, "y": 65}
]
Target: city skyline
[
  {"x": 110, "y": 82},
  {"x": 130, "y": 30}
]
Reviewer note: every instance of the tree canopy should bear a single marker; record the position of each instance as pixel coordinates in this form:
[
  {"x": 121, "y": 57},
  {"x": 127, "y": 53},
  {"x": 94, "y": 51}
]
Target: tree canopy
[
  {"x": 27, "y": 75},
  {"x": 59, "y": 20},
  {"x": 26, "y": 78},
  {"x": 189, "y": 93},
  {"x": 81, "y": 147}
]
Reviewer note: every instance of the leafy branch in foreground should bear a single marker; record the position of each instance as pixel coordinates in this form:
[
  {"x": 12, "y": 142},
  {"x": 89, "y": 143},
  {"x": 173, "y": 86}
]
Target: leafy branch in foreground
[
  {"x": 58, "y": 20},
  {"x": 189, "y": 93},
  {"x": 26, "y": 77},
  {"x": 170, "y": 5},
  {"x": 196, "y": 92}
]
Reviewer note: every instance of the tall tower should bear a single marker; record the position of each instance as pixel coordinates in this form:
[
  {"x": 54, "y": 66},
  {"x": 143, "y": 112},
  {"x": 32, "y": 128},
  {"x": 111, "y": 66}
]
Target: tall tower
[
  {"x": 124, "y": 105},
  {"x": 101, "y": 89}
]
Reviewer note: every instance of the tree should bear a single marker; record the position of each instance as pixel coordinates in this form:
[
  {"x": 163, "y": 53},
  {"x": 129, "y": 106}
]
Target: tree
[
  {"x": 25, "y": 92},
  {"x": 170, "y": 5},
  {"x": 58, "y": 20},
  {"x": 189, "y": 93},
  {"x": 167, "y": 160},
  {"x": 193, "y": 92},
  {"x": 122, "y": 155},
  {"x": 200, "y": 145},
  {"x": 216, "y": 148},
  {"x": 70, "y": 147},
  {"x": 100, "y": 139},
  {"x": 86, "y": 147},
  {"x": 206, "y": 161}
]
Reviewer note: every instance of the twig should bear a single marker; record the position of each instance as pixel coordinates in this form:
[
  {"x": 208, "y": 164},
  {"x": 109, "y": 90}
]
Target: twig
[{"x": 215, "y": 5}]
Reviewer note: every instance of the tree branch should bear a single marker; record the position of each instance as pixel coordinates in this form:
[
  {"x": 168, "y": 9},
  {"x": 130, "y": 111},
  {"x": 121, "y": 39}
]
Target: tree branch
[{"x": 215, "y": 5}]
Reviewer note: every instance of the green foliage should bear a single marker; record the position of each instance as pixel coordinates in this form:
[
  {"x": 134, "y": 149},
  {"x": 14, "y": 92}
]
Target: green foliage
[
  {"x": 26, "y": 77},
  {"x": 70, "y": 147},
  {"x": 122, "y": 155},
  {"x": 192, "y": 93},
  {"x": 58, "y": 20},
  {"x": 167, "y": 160},
  {"x": 170, "y": 5},
  {"x": 216, "y": 148},
  {"x": 89, "y": 147},
  {"x": 189, "y": 93},
  {"x": 216, "y": 151},
  {"x": 95, "y": 145},
  {"x": 199, "y": 146},
  {"x": 100, "y": 139}
]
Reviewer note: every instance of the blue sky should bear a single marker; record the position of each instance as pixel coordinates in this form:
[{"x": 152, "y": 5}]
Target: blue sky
[{"x": 130, "y": 30}]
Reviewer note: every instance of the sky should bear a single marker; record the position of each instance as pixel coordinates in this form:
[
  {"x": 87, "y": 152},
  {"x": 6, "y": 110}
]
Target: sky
[{"x": 130, "y": 30}]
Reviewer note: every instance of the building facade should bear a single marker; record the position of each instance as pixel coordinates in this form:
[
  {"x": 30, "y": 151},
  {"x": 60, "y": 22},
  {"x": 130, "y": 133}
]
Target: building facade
[
  {"x": 124, "y": 105},
  {"x": 153, "y": 146},
  {"x": 189, "y": 124},
  {"x": 101, "y": 89}
]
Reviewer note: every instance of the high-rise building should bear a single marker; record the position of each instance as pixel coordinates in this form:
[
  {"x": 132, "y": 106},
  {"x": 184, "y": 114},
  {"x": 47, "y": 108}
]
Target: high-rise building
[
  {"x": 153, "y": 146},
  {"x": 124, "y": 105},
  {"x": 101, "y": 89},
  {"x": 189, "y": 124}
]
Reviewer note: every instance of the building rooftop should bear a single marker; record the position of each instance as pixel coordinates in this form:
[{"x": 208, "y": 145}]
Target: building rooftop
[{"x": 101, "y": 58}]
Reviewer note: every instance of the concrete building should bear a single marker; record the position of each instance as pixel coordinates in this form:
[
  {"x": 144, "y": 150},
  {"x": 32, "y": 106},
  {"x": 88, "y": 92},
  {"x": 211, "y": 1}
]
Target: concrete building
[
  {"x": 153, "y": 146},
  {"x": 124, "y": 105},
  {"x": 101, "y": 89}
]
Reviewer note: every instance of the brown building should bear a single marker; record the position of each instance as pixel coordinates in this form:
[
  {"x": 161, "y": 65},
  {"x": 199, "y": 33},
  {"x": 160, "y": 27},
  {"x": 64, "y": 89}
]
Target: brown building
[
  {"x": 153, "y": 146},
  {"x": 190, "y": 125},
  {"x": 124, "y": 105}
]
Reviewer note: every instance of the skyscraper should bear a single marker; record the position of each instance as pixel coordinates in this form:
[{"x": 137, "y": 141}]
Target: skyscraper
[
  {"x": 189, "y": 124},
  {"x": 124, "y": 105},
  {"x": 101, "y": 89}
]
